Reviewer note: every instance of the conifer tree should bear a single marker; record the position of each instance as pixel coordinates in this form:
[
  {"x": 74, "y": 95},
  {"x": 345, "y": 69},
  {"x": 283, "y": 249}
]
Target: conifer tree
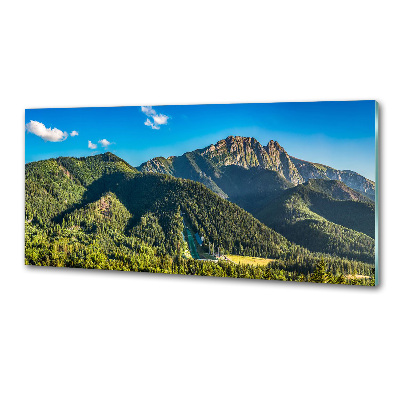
[{"x": 320, "y": 275}]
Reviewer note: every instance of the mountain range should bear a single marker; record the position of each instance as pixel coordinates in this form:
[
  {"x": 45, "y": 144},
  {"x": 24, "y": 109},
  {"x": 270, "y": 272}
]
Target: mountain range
[
  {"x": 244, "y": 198},
  {"x": 216, "y": 163},
  {"x": 313, "y": 205}
]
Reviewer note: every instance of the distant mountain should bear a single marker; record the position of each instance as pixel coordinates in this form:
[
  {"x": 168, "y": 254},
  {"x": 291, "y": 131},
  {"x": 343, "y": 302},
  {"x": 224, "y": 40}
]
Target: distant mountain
[
  {"x": 309, "y": 170},
  {"x": 337, "y": 190},
  {"x": 239, "y": 151},
  {"x": 210, "y": 167}
]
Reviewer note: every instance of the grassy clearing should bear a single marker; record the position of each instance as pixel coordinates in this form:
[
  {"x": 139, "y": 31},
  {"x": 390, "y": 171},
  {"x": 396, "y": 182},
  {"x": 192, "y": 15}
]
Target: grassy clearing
[
  {"x": 357, "y": 276},
  {"x": 256, "y": 261}
]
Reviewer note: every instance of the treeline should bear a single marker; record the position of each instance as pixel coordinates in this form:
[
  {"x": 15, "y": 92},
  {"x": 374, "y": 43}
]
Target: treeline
[{"x": 66, "y": 248}]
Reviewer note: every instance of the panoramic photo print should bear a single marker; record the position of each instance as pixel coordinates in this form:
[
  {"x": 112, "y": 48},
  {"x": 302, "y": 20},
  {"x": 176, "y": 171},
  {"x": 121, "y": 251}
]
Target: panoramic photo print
[{"x": 273, "y": 191}]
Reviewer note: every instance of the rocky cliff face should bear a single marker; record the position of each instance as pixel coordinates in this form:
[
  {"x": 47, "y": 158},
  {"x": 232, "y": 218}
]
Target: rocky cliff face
[
  {"x": 248, "y": 153},
  {"x": 236, "y": 150},
  {"x": 280, "y": 161}
]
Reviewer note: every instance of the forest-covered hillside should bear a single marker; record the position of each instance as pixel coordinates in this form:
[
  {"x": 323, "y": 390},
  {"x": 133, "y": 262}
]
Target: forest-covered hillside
[{"x": 313, "y": 216}]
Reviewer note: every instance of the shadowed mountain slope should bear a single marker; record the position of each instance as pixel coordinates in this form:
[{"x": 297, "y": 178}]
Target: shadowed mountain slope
[{"x": 324, "y": 215}]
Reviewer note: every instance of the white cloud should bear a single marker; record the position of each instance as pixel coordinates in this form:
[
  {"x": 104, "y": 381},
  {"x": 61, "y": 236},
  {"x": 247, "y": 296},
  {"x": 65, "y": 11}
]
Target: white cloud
[
  {"x": 47, "y": 134},
  {"x": 74, "y": 133},
  {"x": 148, "y": 110},
  {"x": 104, "y": 142},
  {"x": 149, "y": 123},
  {"x": 158, "y": 119}
]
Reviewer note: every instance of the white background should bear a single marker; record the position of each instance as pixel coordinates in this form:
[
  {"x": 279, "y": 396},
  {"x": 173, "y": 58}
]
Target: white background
[{"x": 69, "y": 334}]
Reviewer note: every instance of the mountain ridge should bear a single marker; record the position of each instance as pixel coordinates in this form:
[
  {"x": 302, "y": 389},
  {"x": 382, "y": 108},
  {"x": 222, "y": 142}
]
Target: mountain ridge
[{"x": 204, "y": 165}]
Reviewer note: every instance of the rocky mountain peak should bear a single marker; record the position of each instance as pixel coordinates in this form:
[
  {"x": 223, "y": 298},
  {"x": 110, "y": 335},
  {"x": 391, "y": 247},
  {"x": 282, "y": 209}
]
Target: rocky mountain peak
[
  {"x": 280, "y": 161},
  {"x": 274, "y": 146},
  {"x": 236, "y": 142},
  {"x": 246, "y": 152}
]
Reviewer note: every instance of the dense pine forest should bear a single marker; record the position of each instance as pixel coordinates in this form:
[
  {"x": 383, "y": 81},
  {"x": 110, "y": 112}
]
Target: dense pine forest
[
  {"x": 320, "y": 219},
  {"x": 99, "y": 212}
]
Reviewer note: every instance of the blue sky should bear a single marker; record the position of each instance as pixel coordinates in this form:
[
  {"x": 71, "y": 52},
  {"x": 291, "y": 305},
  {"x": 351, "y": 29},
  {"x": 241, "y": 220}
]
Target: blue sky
[{"x": 338, "y": 134}]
